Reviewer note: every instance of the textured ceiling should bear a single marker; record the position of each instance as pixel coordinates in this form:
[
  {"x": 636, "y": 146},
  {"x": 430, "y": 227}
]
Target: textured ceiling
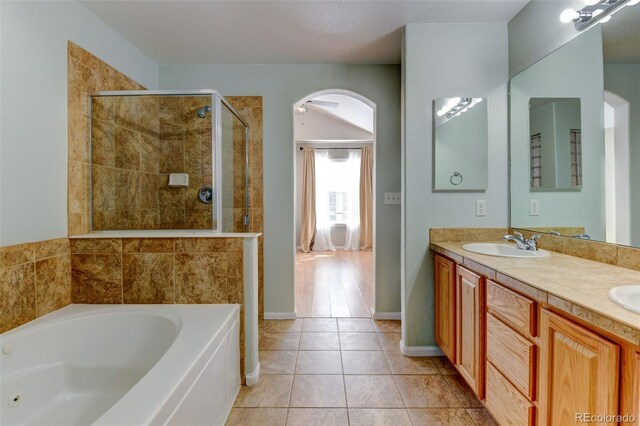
[
  {"x": 349, "y": 32},
  {"x": 622, "y": 36}
]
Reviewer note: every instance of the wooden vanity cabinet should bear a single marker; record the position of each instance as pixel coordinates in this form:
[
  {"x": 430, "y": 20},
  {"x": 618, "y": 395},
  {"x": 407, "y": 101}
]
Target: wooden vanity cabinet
[
  {"x": 470, "y": 328},
  {"x": 579, "y": 372},
  {"x": 527, "y": 362},
  {"x": 445, "y": 306}
]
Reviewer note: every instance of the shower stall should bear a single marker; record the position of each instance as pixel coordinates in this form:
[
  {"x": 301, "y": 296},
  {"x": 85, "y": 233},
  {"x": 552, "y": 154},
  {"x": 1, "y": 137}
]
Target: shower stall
[{"x": 167, "y": 159}]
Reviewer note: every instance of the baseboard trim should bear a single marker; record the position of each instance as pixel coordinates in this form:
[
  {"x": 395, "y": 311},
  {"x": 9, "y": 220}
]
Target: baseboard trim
[
  {"x": 386, "y": 315},
  {"x": 253, "y": 378},
  {"x": 279, "y": 315},
  {"x": 420, "y": 350}
]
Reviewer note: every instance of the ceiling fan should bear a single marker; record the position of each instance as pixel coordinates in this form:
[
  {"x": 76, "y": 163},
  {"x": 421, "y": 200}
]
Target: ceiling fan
[
  {"x": 323, "y": 103},
  {"x": 303, "y": 109}
]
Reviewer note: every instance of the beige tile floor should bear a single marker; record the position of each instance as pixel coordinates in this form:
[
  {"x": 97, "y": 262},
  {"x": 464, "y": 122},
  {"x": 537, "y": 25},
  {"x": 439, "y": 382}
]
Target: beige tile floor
[{"x": 328, "y": 371}]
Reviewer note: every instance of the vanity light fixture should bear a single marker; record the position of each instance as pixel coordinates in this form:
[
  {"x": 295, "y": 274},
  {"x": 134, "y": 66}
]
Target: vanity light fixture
[
  {"x": 595, "y": 11},
  {"x": 457, "y": 106}
]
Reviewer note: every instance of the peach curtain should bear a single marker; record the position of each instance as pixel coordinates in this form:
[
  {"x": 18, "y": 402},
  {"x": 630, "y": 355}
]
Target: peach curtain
[
  {"x": 308, "y": 208},
  {"x": 366, "y": 198}
]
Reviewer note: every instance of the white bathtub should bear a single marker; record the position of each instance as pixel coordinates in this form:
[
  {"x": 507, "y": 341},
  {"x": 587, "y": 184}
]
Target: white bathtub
[{"x": 122, "y": 365}]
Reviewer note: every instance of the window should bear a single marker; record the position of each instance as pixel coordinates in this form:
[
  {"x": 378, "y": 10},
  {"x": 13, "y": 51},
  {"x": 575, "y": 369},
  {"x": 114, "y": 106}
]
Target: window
[
  {"x": 338, "y": 173},
  {"x": 576, "y": 157},
  {"x": 536, "y": 160}
]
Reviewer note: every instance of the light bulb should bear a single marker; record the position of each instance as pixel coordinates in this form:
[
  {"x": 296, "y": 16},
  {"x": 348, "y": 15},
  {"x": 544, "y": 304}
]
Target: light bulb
[
  {"x": 464, "y": 109},
  {"x": 456, "y": 100},
  {"x": 569, "y": 15},
  {"x": 440, "y": 113},
  {"x": 632, "y": 3},
  {"x": 591, "y": 2},
  {"x": 605, "y": 19},
  {"x": 596, "y": 12}
]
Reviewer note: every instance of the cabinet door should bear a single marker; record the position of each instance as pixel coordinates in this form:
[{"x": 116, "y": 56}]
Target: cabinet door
[
  {"x": 630, "y": 385},
  {"x": 445, "y": 306},
  {"x": 470, "y": 329},
  {"x": 578, "y": 372}
]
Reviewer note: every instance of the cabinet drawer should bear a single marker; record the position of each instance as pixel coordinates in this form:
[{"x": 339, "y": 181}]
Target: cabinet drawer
[
  {"x": 513, "y": 355},
  {"x": 516, "y": 310},
  {"x": 504, "y": 402}
]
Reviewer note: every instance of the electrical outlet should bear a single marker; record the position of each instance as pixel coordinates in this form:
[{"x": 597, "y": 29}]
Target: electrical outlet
[
  {"x": 534, "y": 207},
  {"x": 481, "y": 207},
  {"x": 392, "y": 197}
]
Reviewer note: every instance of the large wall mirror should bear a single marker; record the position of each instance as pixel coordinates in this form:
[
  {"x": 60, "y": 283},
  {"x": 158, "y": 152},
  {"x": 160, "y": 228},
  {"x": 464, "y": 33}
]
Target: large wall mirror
[
  {"x": 461, "y": 144},
  {"x": 575, "y": 145}
]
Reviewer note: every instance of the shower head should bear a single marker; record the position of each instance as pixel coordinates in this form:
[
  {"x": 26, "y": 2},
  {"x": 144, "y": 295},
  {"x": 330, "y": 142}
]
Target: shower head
[{"x": 202, "y": 112}]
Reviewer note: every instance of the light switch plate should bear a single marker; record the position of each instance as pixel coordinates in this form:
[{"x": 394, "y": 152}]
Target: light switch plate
[
  {"x": 392, "y": 197},
  {"x": 481, "y": 207},
  {"x": 534, "y": 207}
]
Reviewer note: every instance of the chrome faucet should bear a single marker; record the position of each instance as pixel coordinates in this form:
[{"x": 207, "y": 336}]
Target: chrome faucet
[{"x": 530, "y": 244}]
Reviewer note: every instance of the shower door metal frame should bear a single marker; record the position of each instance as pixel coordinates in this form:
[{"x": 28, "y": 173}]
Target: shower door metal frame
[
  {"x": 216, "y": 124},
  {"x": 219, "y": 101}
]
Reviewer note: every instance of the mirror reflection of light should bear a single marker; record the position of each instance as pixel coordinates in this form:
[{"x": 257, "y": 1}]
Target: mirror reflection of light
[{"x": 569, "y": 15}]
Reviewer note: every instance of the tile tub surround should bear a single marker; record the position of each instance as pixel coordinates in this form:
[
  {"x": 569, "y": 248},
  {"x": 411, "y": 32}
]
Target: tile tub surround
[
  {"x": 326, "y": 383},
  {"x": 572, "y": 284},
  {"x": 157, "y": 270},
  {"x": 35, "y": 279},
  {"x": 182, "y": 270}
]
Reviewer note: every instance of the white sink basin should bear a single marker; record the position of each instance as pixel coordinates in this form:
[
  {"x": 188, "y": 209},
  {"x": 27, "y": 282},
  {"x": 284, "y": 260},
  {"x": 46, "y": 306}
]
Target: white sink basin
[
  {"x": 627, "y": 296},
  {"x": 504, "y": 250}
]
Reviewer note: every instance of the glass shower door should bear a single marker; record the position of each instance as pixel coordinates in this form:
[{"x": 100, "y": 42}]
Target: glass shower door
[{"x": 233, "y": 171}]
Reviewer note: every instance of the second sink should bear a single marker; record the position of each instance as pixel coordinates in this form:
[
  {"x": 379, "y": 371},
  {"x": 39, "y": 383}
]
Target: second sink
[
  {"x": 504, "y": 250},
  {"x": 627, "y": 296}
]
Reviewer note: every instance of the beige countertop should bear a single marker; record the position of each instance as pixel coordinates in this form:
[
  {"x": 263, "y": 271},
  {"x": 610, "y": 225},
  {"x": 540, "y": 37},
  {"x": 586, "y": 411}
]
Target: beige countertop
[{"x": 577, "y": 286}]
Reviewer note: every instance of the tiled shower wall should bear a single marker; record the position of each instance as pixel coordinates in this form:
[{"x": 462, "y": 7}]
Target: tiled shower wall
[
  {"x": 137, "y": 142},
  {"x": 86, "y": 74},
  {"x": 124, "y": 160},
  {"x": 185, "y": 147}
]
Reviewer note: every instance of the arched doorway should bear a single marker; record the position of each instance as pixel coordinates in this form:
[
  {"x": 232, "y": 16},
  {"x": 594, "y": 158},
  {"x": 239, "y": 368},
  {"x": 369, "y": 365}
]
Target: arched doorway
[
  {"x": 617, "y": 169},
  {"x": 334, "y": 151}
]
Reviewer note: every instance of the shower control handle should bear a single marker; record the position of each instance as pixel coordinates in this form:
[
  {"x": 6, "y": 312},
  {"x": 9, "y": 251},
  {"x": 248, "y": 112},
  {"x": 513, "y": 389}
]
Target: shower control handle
[{"x": 205, "y": 194}]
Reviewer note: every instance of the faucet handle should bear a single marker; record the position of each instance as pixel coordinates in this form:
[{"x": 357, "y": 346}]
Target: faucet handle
[
  {"x": 518, "y": 234},
  {"x": 532, "y": 242}
]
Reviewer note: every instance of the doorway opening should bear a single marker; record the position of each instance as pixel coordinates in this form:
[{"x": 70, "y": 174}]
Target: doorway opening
[
  {"x": 334, "y": 151},
  {"x": 617, "y": 174}
]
